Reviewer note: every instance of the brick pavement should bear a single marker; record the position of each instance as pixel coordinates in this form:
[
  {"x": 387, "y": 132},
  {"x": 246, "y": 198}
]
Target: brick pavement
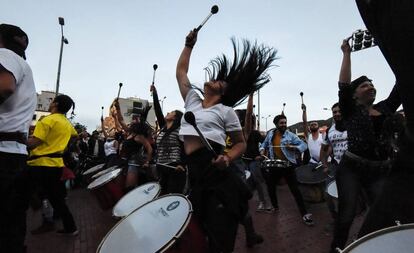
[{"x": 283, "y": 231}]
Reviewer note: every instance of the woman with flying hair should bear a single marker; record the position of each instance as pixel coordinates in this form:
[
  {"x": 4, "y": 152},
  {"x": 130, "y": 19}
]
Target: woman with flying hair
[{"x": 218, "y": 196}]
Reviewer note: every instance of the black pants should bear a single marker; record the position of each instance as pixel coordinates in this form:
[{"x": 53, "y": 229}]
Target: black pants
[
  {"x": 219, "y": 199},
  {"x": 14, "y": 191},
  {"x": 47, "y": 180},
  {"x": 171, "y": 181},
  {"x": 352, "y": 178},
  {"x": 273, "y": 175}
]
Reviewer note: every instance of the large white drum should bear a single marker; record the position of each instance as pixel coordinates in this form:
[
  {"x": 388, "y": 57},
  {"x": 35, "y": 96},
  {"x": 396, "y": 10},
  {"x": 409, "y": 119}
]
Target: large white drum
[
  {"x": 105, "y": 171},
  {"x": 93, "y": 170},
  {"x": 153, "y": 227},
  {"x": 136, "y": 198},
  {"x": 397, "y": 239},
  {"x": 332, "y": 190}
]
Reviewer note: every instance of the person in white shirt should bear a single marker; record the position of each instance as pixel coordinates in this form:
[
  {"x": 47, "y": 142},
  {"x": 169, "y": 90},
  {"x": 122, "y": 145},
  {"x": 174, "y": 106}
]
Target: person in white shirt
[
  {"x": 313, "y": 137},
  {"x": 218, "y": 196},
  {"x": 17, "y": 105}
]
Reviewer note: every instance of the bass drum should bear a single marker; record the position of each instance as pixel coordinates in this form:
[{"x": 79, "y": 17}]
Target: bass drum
[
  {"x": 162, "y": 225},
  {"x": 397, "y": 239}
]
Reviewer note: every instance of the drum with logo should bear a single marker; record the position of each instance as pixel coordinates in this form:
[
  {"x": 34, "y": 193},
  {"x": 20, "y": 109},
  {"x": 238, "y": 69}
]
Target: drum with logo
[
  {"x": 396, "y": 239},
  {"x": 161, "y": 225},
  {"x": 108, "y": 188},
  {"x": 136, "y": 198}
]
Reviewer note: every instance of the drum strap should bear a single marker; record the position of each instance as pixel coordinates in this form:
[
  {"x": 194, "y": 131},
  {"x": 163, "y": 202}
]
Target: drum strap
[
  {"x": 53, "y": 155},
  {"x": 13, "y": 136}
]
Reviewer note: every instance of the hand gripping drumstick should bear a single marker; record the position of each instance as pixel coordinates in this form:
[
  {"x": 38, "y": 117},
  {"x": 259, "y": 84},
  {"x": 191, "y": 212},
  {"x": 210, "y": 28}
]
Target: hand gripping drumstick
[
  {"x": 214, "y": 10},
  {"x": 155, "y": 66},
  {"x": 119, "y": 91},
  {"x": 189, "y": 117}
]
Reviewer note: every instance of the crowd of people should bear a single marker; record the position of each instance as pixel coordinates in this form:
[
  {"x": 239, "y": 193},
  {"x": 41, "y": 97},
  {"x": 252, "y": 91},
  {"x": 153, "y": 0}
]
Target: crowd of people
[{"x": 366, "y": 150}]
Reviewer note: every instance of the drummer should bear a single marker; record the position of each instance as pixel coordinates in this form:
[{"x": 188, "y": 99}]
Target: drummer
[
  {"x": 281, "y": 144},
  {"x": 312, "y": 136},
  {"x": 334, "y": 144}
]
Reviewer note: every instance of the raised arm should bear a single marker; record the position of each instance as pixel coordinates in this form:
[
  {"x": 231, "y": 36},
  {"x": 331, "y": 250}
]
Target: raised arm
[
  {"x": 248, "y": 118},
  {"x": 184, "y": 62},
  {"x": 119, "y": 116},
  {"x": 345, "y": 72},
  {"x": 157, "y": 107}
]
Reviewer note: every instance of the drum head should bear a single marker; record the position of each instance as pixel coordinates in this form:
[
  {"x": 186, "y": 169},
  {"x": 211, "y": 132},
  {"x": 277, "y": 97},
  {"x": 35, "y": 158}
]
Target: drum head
[
  {"x": 136, "y": 198},
  {"x": 307, "y": 174},
  {"x": 104, "y": 179},
  {"x": 332, "y": 190},
  {"x": 93, "y": 169},
  {"x": 100, "y": 173},
  {"x": 151, "y": 228},
  {"x": 398, "y": 239}
]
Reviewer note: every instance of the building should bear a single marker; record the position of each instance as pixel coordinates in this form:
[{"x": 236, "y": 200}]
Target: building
[
  {"x": 42, "y": 107},
  {"x": 132, "y": 106}
]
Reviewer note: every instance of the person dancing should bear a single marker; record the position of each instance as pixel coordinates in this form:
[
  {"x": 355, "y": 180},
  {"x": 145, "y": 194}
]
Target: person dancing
[
  {"x": 170, "y": 149},
  {"x": 367, "y": 161},
  {"x": 219, "y": 197}
]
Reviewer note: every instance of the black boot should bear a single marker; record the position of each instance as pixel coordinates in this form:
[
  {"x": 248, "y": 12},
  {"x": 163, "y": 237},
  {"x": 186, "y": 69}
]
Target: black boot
[{"x": 252, "y": 238}]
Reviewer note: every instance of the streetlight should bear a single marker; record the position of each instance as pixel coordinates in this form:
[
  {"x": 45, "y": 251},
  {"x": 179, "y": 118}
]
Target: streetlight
[
  {"x": 162, "y": 102},
  {"x": 63, "y": 40},
  {"x": 266, "y": 119}
]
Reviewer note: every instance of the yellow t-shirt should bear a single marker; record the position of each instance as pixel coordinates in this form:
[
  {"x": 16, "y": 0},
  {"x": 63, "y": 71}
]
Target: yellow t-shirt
[{"x": 55, "y": 131}]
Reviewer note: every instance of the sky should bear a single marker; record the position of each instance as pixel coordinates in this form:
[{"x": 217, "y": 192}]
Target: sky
[{"x": 119, "y": 41}]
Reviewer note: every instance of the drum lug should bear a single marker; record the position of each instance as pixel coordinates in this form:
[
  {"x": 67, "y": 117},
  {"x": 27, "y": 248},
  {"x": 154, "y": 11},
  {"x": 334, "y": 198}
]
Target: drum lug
[{"x": 398, "y": 223}]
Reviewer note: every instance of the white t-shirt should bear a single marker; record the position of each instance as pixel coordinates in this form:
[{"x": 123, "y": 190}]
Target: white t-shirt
[
  {"x": 338, "y": 140},
  {"x": 17, "y": 111},
  {"x": 213, "y": 122},
  {"x": 109, "y": 147},
  {"x": 314, "y": 147}
]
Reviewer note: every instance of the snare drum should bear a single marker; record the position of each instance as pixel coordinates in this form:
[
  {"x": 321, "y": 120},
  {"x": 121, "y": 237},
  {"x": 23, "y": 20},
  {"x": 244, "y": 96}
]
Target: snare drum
[
  {"x": 396, "y": 239},
  {"x": 162, "y": 225},
  {"x": 274, "y": 163},
  {"x": 87, "y": 175},
  {"x": 108, "y": 188},
  {"x": 136, "y": 198}
]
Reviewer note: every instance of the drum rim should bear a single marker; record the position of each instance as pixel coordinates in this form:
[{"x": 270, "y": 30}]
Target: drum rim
[
  {"x": 327, "y": 187},
  {"x": 90, "y": 171},
  {"x": 129, "y": 193},
  {"x": 173, "y": 239},
  {"x": 106, "y": 181},
  {"x": 94, "y": 176},
  {"x": 374, "y": 234}
]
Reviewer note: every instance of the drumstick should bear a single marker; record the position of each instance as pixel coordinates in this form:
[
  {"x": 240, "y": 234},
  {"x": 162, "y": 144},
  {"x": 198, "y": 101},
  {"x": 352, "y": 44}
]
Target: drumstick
[
  {"x": 213, "y": 11},
  {"x": 301, "y": 96},
  {"x": 167, "y": 165},
  {"x": 119, "y": 91}
]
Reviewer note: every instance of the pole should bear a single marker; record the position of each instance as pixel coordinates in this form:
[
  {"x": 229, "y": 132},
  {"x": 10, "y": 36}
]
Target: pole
[
  {"x": 60, "y": 61},
  {"x": 258, "y": 109}
]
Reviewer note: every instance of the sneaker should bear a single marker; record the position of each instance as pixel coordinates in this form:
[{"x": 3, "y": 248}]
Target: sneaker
[
  {"x": 253, "y": 240},
  {"x": 74, "y": 232},
  {"x": 44, "y": 228},
  {"x": 307, "y": 218},
  {"x": 260, "y": 207}
]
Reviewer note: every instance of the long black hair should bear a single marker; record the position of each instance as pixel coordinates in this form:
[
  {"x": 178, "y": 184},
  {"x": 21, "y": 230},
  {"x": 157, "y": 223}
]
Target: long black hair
[
  {"x": 176, "y": 124},
  {"x": 247, "y": 72}
]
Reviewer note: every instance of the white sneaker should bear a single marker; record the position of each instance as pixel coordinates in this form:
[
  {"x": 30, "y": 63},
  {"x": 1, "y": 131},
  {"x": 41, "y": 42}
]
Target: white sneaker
[
  {"x": 260, "y": 207},
  {"x": 307, "y": 218}
]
